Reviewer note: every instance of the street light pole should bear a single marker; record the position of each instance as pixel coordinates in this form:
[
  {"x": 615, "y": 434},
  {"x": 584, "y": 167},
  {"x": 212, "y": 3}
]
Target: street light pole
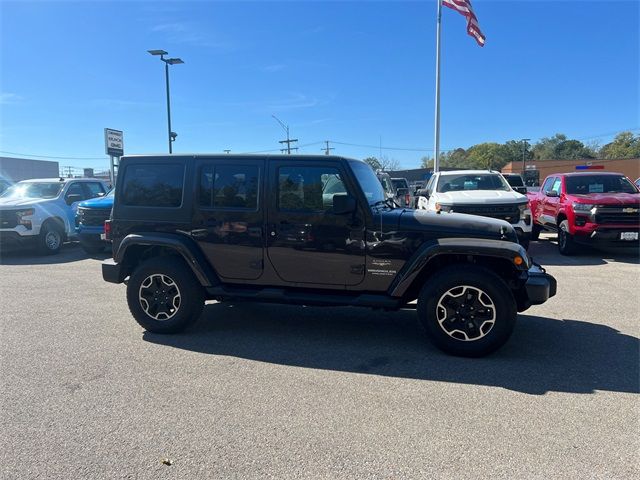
[
  {"x": 168, "y": 61},
  {"x": 166, "y": 75},
  {"x": 524, "y": 150}
]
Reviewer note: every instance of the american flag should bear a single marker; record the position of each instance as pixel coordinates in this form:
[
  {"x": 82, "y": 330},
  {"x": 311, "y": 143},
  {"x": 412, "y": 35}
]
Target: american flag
[{"x": 464, "y": 7}]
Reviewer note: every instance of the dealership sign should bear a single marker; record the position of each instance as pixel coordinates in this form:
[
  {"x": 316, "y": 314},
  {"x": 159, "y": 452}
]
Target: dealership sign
[{"x": 113, "y": 142}]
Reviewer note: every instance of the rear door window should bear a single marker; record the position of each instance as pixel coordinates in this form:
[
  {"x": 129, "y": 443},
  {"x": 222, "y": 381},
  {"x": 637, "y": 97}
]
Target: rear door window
[
  {"x": 153, "y": 185},
  {"x": 229, "y": 186}
]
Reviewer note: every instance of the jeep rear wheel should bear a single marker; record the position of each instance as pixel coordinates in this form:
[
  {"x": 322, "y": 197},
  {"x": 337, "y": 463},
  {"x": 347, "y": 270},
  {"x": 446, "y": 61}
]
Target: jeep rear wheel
[
  {"x": 164, "y": 296},
  {"x": 467, "y": 311}
]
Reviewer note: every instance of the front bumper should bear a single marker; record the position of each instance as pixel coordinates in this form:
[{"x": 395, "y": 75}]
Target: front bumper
[
  {"x": 540, "y": 286},
  {"x": 607, "y": 236},
  {"x": 10, "y": 239}
]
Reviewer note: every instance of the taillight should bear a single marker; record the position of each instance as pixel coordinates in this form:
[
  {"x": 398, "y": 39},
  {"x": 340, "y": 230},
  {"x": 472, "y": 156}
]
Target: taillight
[
  {"x": 107, "y": 229},
  {"x": 407, "y": 199}
]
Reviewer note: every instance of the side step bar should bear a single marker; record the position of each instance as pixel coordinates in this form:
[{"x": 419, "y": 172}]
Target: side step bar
[{"x": 283, "y": 295}]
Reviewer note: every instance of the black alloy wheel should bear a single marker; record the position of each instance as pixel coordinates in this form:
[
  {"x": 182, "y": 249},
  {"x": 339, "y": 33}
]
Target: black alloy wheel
[{"x": 467, "y": 310}]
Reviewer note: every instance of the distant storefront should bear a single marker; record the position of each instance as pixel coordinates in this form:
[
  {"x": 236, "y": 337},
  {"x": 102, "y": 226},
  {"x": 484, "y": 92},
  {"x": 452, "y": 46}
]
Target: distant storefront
[
  {"x": 16, "y": 169},
  {"x": 538, "y": 170}
]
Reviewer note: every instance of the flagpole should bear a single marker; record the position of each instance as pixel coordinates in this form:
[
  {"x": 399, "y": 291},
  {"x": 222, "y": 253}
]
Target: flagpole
[{"x": 436, "y": 159}]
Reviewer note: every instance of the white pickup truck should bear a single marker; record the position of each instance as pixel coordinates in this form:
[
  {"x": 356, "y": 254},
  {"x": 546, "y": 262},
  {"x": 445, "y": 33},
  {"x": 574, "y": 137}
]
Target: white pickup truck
[
  {"x": 41, "y": 212},
  {"x": 478, "y": 192}
]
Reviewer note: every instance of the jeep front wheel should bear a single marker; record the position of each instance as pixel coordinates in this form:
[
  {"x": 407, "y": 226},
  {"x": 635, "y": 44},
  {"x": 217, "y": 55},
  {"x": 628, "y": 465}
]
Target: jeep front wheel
[
  {"x": 467, "y": 311},
  {"x": 164, "y": 296}
]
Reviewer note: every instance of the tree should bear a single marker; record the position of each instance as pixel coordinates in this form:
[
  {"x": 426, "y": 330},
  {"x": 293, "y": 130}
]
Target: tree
[
  {"x": 624, "y": 145},
  {"x": 487, "y": 156},
  {"x": 384, "y": 163},
  {"x": 373, "y": 163},
  {"x": 559, "y": 147}
]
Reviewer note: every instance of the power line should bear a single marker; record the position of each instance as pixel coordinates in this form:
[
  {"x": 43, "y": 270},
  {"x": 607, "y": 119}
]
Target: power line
[{"x": 49, "y": 156}]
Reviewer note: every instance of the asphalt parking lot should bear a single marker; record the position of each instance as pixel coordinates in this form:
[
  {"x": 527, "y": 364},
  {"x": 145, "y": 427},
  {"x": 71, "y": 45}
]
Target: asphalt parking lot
[{"x": 263, "y": 391}]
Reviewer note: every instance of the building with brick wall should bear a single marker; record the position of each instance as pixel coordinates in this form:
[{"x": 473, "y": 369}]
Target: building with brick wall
[{"x": 537, "y": 170}]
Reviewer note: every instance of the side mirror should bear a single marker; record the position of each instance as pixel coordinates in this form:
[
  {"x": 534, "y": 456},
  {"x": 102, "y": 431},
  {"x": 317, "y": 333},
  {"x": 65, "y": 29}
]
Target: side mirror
[
  {"x": 343, "y": 204},
  {"x": 422, "y": 193},
  {"x": 73, "y": 198},
  {"x": 551, "y": 193}
]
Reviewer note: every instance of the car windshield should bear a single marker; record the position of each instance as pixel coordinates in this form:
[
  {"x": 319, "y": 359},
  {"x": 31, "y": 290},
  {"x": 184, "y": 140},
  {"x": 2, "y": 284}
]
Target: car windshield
[
  {"x": 399, "y": 183},
  {"x": 585, "y": 184},
  {"x": 368, "y": 181},
  {"x": 514, "y": 180},
  {"x": 471, "y": 181},
  {"x": 33, "y": 190}
]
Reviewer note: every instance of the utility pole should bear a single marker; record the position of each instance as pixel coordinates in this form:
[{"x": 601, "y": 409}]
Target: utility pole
[
  {"x": 227, "y": 151},
  {"x": 327, "y": 150},
  {"x": 288, "y": 141},
  {"x": 524, "y": 160}
]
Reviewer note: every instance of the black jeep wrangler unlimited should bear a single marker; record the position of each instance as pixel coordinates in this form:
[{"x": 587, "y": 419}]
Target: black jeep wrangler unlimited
[{"x": 309, "y": 230}]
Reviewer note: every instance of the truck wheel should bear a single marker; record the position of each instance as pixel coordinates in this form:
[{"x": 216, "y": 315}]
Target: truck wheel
[
  {"x": 51, "y": 238},
  {"x": 92, "y": 247},
  {"x": 467, "y": 311},
  {"x": 164, "y": 296},
  {"x": 535, "y": 231},
  {"x": 566, "y": 244}
]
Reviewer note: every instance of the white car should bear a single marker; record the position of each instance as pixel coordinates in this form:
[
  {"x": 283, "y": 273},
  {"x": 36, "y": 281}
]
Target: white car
[
  {"x": 478, "y": 192},
  {"x": 41, "y": 212}
]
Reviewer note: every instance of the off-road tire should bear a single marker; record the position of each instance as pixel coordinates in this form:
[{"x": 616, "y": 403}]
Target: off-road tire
[
  {"x": 566, "y": 243},
  {"x": 166, "y": 271},
  {"x": 471, "y": 279},
  {"x": 51, "y": 238}
]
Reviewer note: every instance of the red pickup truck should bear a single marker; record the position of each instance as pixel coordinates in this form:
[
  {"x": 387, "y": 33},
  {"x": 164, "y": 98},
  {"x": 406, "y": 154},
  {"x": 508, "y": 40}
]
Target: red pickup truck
[{"x": 587, "y": 208}]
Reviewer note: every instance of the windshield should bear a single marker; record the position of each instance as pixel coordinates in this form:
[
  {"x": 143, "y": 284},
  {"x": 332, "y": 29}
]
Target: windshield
[
  {"x": 368, "y": 181},
  {"x": 399, "y": 183},
  {"x": 33, "y": 190},
  {"x": 471, "y": 181},
  {"x": 514, "y": 180},
  {"x": 585, "y": 184}
]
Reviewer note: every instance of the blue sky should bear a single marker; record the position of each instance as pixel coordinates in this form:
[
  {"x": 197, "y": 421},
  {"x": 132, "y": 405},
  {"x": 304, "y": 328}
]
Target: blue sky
[{"x": 350, "y": 72}]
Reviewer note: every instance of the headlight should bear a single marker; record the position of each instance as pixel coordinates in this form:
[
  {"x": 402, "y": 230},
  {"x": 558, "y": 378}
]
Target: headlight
[
  {"x": 25, "y": 213},
  {"x": 582, "y": 207},
  {"x": 524, "y": 208}
]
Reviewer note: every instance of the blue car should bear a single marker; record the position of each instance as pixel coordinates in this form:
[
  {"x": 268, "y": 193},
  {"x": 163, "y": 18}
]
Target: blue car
[{"x": 90, "y": 219}]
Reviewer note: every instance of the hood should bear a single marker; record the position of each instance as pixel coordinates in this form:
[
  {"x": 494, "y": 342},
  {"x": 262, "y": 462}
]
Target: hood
[
  {"x": 22, "y": 202},
  {"x": 480, "y": 197},
  {"x": 607, "y": 198},
  {"x": 456, "y": 225},
  {"x": 99, "y": 202}
]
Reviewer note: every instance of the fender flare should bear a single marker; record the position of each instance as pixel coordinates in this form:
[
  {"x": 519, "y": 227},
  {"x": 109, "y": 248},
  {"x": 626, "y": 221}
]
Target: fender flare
[
  {"x": 184, "y": 246},
  {"x": 476, "y": 247}
]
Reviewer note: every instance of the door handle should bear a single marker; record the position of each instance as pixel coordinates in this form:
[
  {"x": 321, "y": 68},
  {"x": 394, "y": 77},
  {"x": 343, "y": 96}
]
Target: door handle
[{"x": 199, "y": 233}]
